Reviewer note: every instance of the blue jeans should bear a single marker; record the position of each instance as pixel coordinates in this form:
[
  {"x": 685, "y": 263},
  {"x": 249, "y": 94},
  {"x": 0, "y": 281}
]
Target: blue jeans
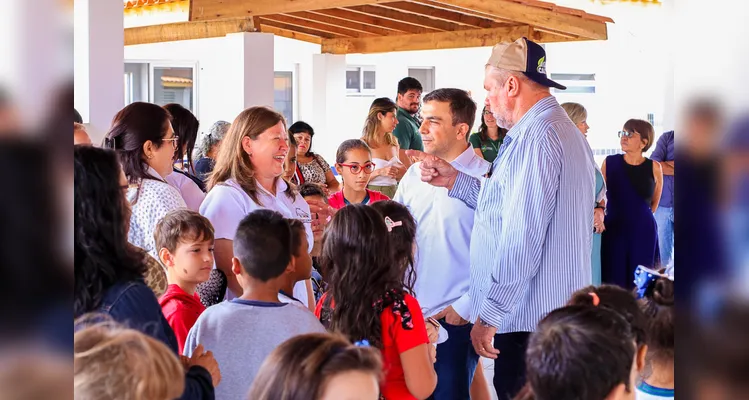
[
  {"x": 664, "y": 217},
  {"x": 456, "y": 363}
]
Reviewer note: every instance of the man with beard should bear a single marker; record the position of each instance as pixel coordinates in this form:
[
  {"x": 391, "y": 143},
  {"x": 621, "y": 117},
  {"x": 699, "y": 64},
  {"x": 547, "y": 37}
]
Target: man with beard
[{"x": 407, "y": 130}]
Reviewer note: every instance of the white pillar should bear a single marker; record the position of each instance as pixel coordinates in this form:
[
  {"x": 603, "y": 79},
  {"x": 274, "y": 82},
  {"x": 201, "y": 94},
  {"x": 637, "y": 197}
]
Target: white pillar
[
  {"x": 329, "y": 91},
  {"x": 249, "y": 71},
  {"x": 99, "y": 63}
]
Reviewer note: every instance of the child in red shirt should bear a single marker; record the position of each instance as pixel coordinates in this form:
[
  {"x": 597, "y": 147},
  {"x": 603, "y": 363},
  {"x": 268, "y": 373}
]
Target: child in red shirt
[
  {"x": 185, "y": 242},
  {"x": 366, "y": 274},
  {"x": 354, "y": 164}
]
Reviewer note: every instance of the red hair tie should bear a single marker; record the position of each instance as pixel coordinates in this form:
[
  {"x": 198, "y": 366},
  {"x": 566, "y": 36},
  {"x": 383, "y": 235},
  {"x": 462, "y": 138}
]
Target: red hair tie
[{"x": 596, "y": 299}]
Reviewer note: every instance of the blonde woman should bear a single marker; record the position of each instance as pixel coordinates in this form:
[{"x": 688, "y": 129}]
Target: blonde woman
[
  {"x": 111, "y": 362},
  {"x": 579, "y": 116},
  {"x": 378, "y": 134},
  {"x": 247, "y": 177}
]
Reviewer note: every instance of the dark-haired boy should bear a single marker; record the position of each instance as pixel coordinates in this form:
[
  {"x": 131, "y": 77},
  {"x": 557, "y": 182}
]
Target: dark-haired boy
[{"x": 242, "y": 332}]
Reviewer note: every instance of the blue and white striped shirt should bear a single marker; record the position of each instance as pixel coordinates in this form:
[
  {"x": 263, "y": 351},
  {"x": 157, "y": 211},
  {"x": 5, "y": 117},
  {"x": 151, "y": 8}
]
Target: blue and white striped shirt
[{"x": 533, "y": 229}]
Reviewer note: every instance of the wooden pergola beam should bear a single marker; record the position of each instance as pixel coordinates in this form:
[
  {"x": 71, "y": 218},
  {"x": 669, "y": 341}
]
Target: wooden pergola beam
[
  {"x": 305, "y": 23},
  {"x": 442, "y": 14},
  {"x": 344, "y": 23},
  {"x": 189, "y": 30},
  {"x": 418, "y": 20},
  {"x": 292, "y": 34},
  {"x": 426, "y": 41},
  {"x": 536, "y": 16},
  {"x": 375, "y": 21},
  {"x": 202, "y": 10},
  {"x": 448, "y": 7},
  {"x": 293, "y": 28}
]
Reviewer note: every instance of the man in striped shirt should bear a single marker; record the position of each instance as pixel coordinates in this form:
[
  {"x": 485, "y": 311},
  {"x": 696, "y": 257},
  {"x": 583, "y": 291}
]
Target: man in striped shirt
[{"x": 532, "y": 235}]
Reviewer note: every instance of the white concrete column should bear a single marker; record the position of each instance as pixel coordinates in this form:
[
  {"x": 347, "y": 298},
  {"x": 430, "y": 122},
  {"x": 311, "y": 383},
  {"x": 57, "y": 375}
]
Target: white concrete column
[
  {"x": 99, "y": 64},
  {"x": 250, "y": 66},
  {"x": 329, "y": 91}
]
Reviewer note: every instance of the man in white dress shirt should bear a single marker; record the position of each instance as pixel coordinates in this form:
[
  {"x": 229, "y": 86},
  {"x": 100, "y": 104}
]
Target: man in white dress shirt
[{"x": 443, "y": 236}]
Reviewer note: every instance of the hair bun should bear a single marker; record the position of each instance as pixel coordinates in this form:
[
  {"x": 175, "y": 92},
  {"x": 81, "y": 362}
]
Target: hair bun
[{"x": 663, "y": 292}]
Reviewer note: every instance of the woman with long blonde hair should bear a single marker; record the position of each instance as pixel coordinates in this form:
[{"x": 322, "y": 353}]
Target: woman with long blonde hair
[
  {"x": 378, "y": 134},
  {"x": 247, "y": 177}
]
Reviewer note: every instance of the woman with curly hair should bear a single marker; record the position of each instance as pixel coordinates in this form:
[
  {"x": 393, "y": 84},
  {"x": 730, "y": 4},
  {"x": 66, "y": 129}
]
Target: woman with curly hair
[
  {"x": 359, "y": 261},
  {"x": 109, "y": 271}
]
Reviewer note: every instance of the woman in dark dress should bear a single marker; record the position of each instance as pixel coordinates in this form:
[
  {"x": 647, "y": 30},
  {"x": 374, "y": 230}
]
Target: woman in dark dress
[{"x": 634, "y": 185}]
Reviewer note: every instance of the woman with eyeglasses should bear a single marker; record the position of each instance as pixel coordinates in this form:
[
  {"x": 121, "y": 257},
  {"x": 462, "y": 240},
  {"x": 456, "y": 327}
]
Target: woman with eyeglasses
[
  {"x": 378, "y": 135},
  {"x": 145, "y": 142},
  {"x": 354, "y": 164},
  {"x": 579, "y": 115},
  {"x": 634, "y": 185},
  {"x": 487, "y": 140}
]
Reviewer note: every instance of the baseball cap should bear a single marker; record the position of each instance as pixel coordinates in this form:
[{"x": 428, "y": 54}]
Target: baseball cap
[{"x": 524, "y": 56}]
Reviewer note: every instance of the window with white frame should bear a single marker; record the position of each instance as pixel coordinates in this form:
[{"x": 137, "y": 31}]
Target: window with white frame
[
  {"x": 425, "y": 76},
  {"x": 576, "y": 83},
  {"x": 161, "y": 83},
  {"x": 283, "y": 94},
  {"x": 361, "y": 80}
]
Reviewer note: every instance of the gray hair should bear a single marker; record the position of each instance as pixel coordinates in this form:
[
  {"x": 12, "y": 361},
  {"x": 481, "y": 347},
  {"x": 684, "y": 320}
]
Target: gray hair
[
  {"x": 576, "y": 112},
  {"x": 214, "y": 135},
  {"x": 502, "y": 75}
]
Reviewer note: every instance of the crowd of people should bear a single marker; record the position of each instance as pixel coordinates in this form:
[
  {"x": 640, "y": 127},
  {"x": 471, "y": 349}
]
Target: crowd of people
[{"x": 233, "y": 264}]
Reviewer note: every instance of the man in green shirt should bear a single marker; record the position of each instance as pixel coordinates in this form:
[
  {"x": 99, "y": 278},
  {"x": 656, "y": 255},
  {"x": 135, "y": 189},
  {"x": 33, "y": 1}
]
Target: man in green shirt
[{"x": 407, "y": 130}]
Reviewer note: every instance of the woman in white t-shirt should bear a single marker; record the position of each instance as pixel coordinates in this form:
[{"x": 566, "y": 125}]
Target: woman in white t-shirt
[
  {"x": 247, "y": 177},
  {"x": 145, "y": 142}
]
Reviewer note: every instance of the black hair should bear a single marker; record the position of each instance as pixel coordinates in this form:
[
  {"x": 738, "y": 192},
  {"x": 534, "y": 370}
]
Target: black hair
[
  {"x": 409, "y": 83},
  {"x": 185, "y": 126},
  {"x": 403, "y": 236},
  {"x": 619, "y": 300},
  {"x": 303, "y": 127},
  {"x": 311, "y": 189},
  {"x": 133, "y": 126},
  {"x": 579, "y": 353},
  {"x": 348, "y": 145},
  {"x": 263, "y": 244},
  {"x": 462, "y": 107},
  {"x": 77, "y": 117},
  {"x": 292, "y": 140},
  {"x": 298, "y": 237},
  {"x": 658, "y": 306},
  {"x": 103, "y": 256}
]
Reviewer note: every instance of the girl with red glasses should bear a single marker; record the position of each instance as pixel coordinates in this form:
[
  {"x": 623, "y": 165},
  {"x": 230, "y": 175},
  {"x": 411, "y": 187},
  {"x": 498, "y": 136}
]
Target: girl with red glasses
[{"x": 354, "y": 164}]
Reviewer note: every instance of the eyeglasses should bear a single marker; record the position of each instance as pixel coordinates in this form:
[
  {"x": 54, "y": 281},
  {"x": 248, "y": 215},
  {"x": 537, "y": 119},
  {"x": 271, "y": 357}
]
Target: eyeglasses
[
  {"x": 621, "y": 134},
  {"x": 172, "y": 139},
  {"x": 356, "y": 168},
  {"x": 487, "y": 112}
]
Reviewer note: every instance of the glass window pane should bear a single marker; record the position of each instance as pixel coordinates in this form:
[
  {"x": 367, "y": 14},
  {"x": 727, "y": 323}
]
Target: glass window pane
[
  {"x": 369, "y": 80},
  {"x": 136, "y": 82},
  {"x": 353, "y": 79},
  {"x": 283, "y": 94},
  {"x": 173, "y": 85},
  {"x": 425, "y": 76}
]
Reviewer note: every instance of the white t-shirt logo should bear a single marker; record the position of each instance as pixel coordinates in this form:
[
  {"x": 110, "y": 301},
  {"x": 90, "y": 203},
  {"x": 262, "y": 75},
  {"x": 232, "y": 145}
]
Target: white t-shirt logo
[{"x": 303, "y": 216}]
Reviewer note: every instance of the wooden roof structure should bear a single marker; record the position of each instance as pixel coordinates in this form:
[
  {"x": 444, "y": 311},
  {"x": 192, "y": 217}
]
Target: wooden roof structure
[{"x": 376, "y": 26}]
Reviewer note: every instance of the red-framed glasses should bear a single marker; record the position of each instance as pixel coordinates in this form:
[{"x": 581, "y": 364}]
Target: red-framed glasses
[{"x": 356, "y": 168}]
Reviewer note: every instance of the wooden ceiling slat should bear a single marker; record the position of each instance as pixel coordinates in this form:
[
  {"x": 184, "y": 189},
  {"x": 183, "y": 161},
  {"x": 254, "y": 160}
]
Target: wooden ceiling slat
[
  {"x": 442, "y": 14},
  {"x": 307, "y": 31},
  {"x": 413, "y": 19},
  {"x": 304, "y": 23},
  {"x": 353, "y": 25},
  {"x": 448, "y": 7},
  {"x": 201, "y": 10},
  {"x": 375, "y": 21}
]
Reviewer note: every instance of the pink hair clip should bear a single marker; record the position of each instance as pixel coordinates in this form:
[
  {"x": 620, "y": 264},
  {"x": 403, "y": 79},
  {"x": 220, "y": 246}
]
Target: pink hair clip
[
  {"x": 596, "y": 299},
  {"x": 392, "y": 224}
]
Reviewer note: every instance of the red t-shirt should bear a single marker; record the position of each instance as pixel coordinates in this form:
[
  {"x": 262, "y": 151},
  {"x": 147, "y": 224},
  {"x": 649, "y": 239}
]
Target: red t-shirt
[
  {"x": 181, "y": 311},
  {"x": 337, "y": 201},
  {"x": 396, "y": 340}
]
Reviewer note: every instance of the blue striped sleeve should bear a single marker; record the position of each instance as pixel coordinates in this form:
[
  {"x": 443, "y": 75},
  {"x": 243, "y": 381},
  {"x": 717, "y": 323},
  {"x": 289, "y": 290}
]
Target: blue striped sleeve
[
  {"x": 466, "y": 189},
  {"x": 522, "y": 240}
]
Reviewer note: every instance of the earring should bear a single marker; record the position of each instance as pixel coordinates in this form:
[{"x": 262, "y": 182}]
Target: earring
[{"x": 150, "y": 156}]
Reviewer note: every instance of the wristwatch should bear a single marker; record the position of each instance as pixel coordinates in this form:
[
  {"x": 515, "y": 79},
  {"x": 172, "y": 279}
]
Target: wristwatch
[
  {"x": 601, "y": 207},
  {"x": 484, "y": 323}
]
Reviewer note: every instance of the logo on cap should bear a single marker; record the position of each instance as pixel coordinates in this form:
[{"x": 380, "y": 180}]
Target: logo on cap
[{"x": 541, "y": 65}]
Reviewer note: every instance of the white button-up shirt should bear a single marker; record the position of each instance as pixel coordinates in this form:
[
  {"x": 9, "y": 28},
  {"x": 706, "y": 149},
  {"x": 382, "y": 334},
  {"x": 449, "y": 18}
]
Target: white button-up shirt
[{"x": 443, "y": 237}]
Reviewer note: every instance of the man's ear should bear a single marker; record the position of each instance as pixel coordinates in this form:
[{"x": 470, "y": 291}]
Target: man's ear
[
  {"x": 463, "y": 132},
  {"x": 513, "y": 86},
  {"x": 617, "y": 393},
  {"x": 166, "y": 257}
]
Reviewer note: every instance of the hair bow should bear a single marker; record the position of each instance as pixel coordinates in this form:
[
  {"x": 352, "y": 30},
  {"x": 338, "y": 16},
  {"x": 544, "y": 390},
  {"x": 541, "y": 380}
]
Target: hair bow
[
  {"x": 392, "y": 224},
  {"x": 362, "y": 343},
  {"x": 645, "y": 277}
]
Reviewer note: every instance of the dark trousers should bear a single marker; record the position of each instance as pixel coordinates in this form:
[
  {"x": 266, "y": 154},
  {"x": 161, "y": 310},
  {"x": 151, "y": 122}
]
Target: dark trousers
[
  {"x": 456, "y": 364},
  {"x": 509, "y": 367}
]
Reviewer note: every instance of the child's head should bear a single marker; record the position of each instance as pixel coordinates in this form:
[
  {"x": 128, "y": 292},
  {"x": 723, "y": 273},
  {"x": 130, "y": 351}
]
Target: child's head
[
  {"x": 657, "y": 304},
  {"x": 617, "y": 299},
  {"x": 403, "y": 236},
  {"x": 302, "y": 261},
  {"x": 185, "y": 242},
  {"x": 358, "y": 264},
  {"x": 289, "y": 164},
  {"x": 312, "y": 191},
  {"x": 581, "y": 353},
  {"x": 262, "y": 246},
  {"x": 110, "y": 362},
  {"x": 353, "y": 161},
  {"x": 318, "y": 366}
]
